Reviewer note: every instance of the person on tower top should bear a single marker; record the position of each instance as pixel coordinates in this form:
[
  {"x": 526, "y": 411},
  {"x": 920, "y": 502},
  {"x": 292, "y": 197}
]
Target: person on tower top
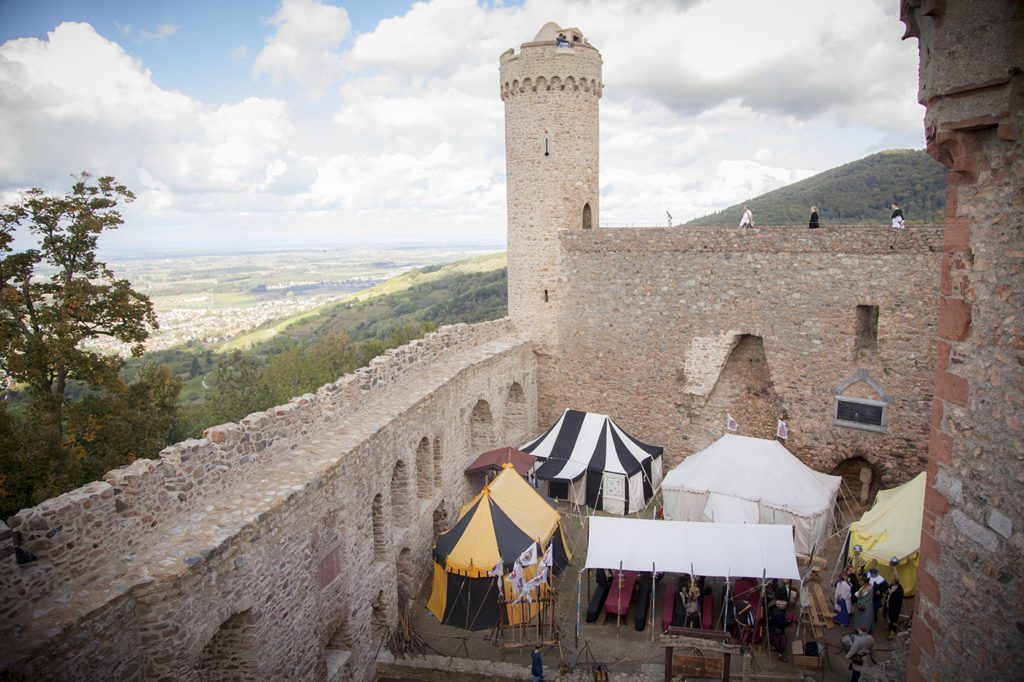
[
  {"x": 562, "y": 41},
  {"x": 897, "y": 216}
]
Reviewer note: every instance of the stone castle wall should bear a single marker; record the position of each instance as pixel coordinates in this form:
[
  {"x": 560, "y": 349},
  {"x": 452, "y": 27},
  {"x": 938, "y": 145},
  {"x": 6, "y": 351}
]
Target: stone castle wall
[
  {"x": 652, "y": 321},
  {"x": 280, "y": 545},
  {"x": 967, "y": 621}
]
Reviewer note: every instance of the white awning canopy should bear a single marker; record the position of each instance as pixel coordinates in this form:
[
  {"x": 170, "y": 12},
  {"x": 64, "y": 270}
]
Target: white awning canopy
[{"x": 709, "y": 549}]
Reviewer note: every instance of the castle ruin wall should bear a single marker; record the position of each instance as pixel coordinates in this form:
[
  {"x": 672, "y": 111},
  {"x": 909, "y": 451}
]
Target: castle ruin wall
[
  {"x": 286, "y": 559},
  {"x": 650, "y": 317}
]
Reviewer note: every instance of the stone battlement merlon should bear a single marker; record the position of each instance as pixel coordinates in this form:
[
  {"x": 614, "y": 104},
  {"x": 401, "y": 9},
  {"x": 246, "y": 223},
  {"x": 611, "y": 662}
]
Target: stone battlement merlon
[
  {"x": 75, "y": 534},
  {"x": 773, "y": 239}
]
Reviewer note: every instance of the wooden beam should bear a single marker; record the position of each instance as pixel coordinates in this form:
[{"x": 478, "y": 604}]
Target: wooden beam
[{"x": 706, "y": 644}]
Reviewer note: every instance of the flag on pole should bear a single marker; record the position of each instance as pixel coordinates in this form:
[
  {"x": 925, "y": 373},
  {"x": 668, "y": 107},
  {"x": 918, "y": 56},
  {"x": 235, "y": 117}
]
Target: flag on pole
[
  {"x": 781, "y": 430},
  {"x": 730, "y": 423},
  {"x": 528, "y": 557}
]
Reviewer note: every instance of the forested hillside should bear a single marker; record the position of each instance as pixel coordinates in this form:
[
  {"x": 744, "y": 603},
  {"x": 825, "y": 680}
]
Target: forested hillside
[{"x": 858, "y": 192}]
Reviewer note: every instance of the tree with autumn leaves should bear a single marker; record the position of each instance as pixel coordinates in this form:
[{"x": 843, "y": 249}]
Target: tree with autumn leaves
[{"x": 54, "y": 299}]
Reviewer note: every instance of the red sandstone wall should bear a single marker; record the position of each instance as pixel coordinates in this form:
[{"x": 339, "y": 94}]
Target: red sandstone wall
[{"x": 968, "y": 622}]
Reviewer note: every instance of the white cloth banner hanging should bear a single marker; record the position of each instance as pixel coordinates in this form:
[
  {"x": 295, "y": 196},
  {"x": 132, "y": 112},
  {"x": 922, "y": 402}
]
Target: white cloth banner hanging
[
  {"x": 709, "y": 549},
  {"x": 781, "y": 430},
  {"x": 731, "y": 423}
]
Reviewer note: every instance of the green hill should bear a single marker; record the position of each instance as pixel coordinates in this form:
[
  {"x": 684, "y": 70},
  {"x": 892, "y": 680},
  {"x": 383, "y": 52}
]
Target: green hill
[
  {"x": 458, "y": 281},
  {"x": 858, "y": 192}
]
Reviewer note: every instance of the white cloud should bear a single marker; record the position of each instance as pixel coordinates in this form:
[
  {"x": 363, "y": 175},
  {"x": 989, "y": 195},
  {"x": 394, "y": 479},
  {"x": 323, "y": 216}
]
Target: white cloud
[
  {"x": 706, "y": 104},
  {"x": 304, "y": 48},
  {"x": 162, "y": 32}
]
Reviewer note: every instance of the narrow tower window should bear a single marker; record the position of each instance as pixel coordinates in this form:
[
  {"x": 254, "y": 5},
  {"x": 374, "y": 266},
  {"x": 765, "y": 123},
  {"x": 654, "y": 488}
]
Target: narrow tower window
[
  {"x": 588, "y": 218},
  {"x": 545, "y": 295},
  {"x": 867, "y": 327},
  {"x": 547, "y": 150}
]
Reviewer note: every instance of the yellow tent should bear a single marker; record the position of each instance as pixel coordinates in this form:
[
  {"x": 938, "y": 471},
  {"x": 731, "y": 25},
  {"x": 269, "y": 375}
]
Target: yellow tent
[
  {"x": 892, "y": 528},
  {"x": 499, "y": 524}
]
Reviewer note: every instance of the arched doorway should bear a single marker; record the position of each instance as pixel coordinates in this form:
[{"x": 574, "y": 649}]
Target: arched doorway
[{"x": 588, "y": 216}]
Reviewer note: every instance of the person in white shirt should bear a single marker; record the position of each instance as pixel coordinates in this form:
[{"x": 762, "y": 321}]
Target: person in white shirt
[{"x": 748, "y": 218}]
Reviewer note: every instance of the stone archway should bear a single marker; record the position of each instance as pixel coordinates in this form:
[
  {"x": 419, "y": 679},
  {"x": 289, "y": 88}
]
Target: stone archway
[
  {"x": 481, "y": 429},
  {"x": 424, "y": 466},
  {"x": 588, "y": 216},
  {"x": 438, "y": 469},
  {"x": 400, "y": 494},
  {"x": 516, "y": 421},
  {"x": 862, "y": 481},
  {"x": 380, "y": 541},
  {"x": 405, "y": 573},
  {"x": 231, "y": 654},
  {"x": 440, "y": 519}
]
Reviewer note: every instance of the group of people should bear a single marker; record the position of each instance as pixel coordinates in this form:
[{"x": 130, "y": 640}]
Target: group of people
[
  {"x": 814, "y": 222},
  {"x": 859, "y": 598}
]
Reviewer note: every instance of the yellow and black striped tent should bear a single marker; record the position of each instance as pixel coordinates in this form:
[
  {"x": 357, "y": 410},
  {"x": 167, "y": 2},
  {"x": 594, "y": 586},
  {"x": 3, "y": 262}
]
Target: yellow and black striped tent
[{"x": 500, "y": 523}]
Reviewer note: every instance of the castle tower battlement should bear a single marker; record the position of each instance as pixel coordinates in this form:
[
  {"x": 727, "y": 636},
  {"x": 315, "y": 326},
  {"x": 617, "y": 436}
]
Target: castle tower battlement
[{"x": 551, "y": 95}]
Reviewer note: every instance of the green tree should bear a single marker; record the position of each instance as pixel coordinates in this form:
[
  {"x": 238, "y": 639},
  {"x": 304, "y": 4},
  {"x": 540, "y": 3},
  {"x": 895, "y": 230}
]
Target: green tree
[{"x": 57, "y": 296}]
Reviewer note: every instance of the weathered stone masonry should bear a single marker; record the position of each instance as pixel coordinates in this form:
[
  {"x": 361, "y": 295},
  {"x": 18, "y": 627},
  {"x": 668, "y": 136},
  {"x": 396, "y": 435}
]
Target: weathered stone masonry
[
  {"x": 649, "y": 318},
  {"x": 258, "y": 543},
  {"x": 968, "y": 622}
]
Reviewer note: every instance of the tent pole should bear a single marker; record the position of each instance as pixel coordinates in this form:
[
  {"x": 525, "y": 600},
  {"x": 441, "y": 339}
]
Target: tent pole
[
  {"x": 654, "y": 590},
  {"x": 618, "y": 599},
  {"x": 579, "y": 589}
]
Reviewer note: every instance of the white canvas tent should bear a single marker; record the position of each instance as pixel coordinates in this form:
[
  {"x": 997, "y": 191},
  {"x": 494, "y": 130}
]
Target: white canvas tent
[
  {"x": 726, "y": 550},
  {"x": 590, "y": 461},
  {"x": 739, "y": 479}
]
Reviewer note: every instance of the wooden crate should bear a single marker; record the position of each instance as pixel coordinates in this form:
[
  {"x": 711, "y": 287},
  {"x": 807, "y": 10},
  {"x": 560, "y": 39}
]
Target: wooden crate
[{"x": 697, "y": 666}]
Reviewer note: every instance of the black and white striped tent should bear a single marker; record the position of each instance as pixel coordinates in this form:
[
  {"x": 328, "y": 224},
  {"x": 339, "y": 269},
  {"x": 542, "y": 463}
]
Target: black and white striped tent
[{"x": 590, "y": 461}]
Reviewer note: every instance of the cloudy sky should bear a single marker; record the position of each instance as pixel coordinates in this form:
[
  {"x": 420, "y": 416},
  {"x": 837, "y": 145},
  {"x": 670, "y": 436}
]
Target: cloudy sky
[{"x": 277, "y": 123}]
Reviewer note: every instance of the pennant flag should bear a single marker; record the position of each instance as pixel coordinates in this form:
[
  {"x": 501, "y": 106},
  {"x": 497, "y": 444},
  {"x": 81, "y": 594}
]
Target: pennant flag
[
  {"x": 498, "y": 569},
  {"x": 549, "y": 555},
  {"x": 781, "y": 431},
  {"x": 528, "y": 557},
  {"x": 730, "y": 423}
]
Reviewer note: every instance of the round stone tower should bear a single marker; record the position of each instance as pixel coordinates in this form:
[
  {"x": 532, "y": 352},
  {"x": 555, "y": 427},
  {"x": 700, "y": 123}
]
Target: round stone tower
[{"x": 551, "y": 87}]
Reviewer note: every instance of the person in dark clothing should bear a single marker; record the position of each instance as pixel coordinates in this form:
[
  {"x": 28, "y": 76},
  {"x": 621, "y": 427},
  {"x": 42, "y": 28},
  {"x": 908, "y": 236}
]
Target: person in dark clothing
[
  {"x": 813, "y": 224},
  {"x": 536, "y": 665},
  {"x": 879, "y": 588},
  {"x": 778, "y": 619},
  {"x": 895, "y": 605}
]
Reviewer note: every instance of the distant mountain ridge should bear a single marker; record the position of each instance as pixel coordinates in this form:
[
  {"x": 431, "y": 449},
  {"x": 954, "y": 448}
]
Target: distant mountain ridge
[{"x": 858, "y": 192}]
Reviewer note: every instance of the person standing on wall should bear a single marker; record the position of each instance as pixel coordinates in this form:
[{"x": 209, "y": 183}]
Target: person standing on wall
[
  {"x": 813, "y": 223},
  {"x": 748, "y": 218},
  {"x": 536, "y": 664},
  {"x": 897, "y": 216}
]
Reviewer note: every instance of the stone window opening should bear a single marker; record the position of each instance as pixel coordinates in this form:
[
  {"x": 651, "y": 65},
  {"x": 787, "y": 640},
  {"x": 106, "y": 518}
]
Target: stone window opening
[
  {"x": 379, "y": 536},
  {"x": 867, "y": 327},
  {"x": 588, "y": 216},
  {"x": 545, "y": 295},
  {"x": 424, "y": 475},
  {"x": 547, "y": 146}
]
